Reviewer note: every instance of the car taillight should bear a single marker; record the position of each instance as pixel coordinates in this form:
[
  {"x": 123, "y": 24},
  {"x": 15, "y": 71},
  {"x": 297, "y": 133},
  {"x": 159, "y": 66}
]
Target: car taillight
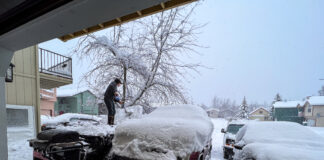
[{"x": 194, "y": 156}]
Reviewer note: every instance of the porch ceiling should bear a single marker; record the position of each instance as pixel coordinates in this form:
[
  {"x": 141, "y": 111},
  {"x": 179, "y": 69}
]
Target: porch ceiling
[{"x": 80, "y": 17}]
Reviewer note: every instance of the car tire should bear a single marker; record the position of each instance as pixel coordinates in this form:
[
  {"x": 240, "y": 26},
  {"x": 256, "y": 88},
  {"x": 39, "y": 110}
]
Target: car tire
[{"x": 225, "y": 155}]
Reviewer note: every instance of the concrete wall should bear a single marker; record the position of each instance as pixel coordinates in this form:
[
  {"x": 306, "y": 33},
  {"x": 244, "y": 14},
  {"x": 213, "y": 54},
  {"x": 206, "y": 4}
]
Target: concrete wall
[{"x": 5, "y": 57}]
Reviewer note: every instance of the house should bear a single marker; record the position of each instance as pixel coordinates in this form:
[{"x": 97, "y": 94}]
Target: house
[
  {"x": 47, "y": 100},
  {"x": 76, "y": 101},
  {"x": 32, "y": 81},
  {"x": 261, "y": 114},
  {"x": 288, "y": 111},
  {"x": 212, "y": 112},
  {"x": 313, "y": 111}
]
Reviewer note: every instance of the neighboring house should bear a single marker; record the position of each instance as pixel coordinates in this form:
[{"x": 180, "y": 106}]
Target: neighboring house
[
  {"x": 260, "y": 114},
  {"x": 73, "y": 101},
  {"x": 212, "y": 112},
  {"x": 313, "y": 111},
  {"x": 32, "y": 72},
  {"x": 288, "y": 111},
  {"x": 48, "y": 98}
]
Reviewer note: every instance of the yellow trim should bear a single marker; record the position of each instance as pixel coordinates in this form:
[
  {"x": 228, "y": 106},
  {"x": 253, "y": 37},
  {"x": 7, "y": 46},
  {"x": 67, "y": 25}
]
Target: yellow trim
[{"x": 130, "y": 17}]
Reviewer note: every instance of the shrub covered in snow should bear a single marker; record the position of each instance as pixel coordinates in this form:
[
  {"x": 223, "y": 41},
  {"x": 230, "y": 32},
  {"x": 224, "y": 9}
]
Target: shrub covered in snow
[
  {"x": 166, "y": 133},
  {"x": 279, "y": 140}
]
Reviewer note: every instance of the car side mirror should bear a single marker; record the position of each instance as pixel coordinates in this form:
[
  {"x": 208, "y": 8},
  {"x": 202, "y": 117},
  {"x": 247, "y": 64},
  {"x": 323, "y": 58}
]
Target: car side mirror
[
  {"x": 238, "y": 146},
  {"x": 223, "y": 130}
]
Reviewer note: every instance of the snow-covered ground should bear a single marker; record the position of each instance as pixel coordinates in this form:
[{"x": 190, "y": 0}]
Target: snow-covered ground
[
  {"x": 19, "y": 149},
  {"x": 217, "y": 152},
  {"x": 18, "y": 146}
]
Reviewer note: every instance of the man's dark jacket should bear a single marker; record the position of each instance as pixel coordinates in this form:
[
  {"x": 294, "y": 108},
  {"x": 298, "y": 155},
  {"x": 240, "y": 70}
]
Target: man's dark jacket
[{"x": 109, "y": 98}]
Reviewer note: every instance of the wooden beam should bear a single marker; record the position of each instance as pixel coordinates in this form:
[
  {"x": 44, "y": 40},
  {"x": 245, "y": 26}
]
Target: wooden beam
[
  {"x": 85, "y": 30},
  {"x": 71, "y": 35},
  {"x": 139, "y": 13},
  {"x": 119, "y": 20},
  {"x": 132, "y": 16},
  {"x": 163, "y": 5}
]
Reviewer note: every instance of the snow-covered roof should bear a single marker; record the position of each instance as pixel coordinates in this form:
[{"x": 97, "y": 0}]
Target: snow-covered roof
[
  {"x": 316, "y": 100},
  {"x": 212, "y": 109},
  {"x": 166, "y": 133},
  {"x": 258, "y": 109},
  {"x": 70, "y": 92},
  {"x": 268, "y": 140},
  {"x": 287, "y": 104}
]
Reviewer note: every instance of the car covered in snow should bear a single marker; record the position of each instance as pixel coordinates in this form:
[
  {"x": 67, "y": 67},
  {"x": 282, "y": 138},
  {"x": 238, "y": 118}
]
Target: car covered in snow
[
  {"x": 229, "y": 137},
  {"x": 73, "y": 137},
  {"x": 277, "y": 141},
  {"x": 169, "y": 132},
  {"x": 68, "y": 119}
]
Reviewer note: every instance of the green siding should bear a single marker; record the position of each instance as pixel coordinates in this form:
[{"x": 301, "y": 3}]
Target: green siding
[
  {"x": 84, "y": 102},
  {"x": 287, "y": 114}
]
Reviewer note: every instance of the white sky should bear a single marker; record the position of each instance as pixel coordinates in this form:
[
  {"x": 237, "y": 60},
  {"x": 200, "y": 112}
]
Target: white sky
[{"x": 256, "y": 49}]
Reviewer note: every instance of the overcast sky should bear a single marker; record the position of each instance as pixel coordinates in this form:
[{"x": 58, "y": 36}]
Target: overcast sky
[{"x": 256, "y": 49}]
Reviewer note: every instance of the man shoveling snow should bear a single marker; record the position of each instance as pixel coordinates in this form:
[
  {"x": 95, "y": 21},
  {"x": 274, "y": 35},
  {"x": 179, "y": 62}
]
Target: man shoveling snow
[{"x": 111, "y": 96}]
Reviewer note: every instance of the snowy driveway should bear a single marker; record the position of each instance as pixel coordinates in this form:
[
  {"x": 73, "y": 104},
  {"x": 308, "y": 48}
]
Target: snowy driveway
[{"x": 217, "y": 152}]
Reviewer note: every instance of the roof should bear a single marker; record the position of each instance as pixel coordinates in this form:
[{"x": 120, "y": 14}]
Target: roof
[
  {"x": 71, "y": 92},
  {"x": 316, "y": 100},
  {"x": 287, "y": 104},
  {"x": 258, "y": 109},
  {"x": 212, "y": 109},
  {"x": 164, "y": 5}
]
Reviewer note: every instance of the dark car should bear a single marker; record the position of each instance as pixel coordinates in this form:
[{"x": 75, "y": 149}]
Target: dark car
[{"x": 229, "y": 137}]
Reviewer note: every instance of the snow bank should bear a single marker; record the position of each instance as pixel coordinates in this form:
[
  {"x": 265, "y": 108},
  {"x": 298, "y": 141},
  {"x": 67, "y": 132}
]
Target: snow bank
[
  {"x": 66, "y": 118},
  {"x": 166, "y": 133},
  {"x": 18, "y": 146},
  {"x": 279, "y": 140}
]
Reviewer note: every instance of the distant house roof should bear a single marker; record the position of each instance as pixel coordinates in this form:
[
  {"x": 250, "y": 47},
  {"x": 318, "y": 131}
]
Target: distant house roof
[
  {"x": 287, "y": 104},
  {"x": 212, "y": 109},
  {"x": 258, "y": 109},
  {"x": 316, "y": 100},
  {"x": 71, "y": 92}
]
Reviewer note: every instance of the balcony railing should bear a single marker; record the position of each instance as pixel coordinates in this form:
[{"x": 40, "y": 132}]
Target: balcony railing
[{"x": 55, "y": 64}]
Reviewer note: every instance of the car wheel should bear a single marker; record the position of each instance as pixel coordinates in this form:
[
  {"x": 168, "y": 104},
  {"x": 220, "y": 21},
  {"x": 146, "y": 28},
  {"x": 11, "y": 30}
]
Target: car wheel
[{"x": 225, "y": 155}]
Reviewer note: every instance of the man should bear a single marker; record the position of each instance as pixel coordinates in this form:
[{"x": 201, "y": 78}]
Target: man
[{"x": 111, "y": 95}]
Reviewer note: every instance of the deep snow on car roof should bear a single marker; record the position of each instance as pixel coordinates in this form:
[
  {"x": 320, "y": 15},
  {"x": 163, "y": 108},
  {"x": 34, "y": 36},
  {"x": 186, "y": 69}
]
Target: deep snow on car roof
[
  {"x": 66, "y": 118},
  {"x": 171, "y": 131}
]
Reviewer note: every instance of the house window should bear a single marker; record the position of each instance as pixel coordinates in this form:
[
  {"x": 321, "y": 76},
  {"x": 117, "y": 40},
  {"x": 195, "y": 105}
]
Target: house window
[
  {"x": 309, "y": 109},
  {"x": 260, "y": 112}
]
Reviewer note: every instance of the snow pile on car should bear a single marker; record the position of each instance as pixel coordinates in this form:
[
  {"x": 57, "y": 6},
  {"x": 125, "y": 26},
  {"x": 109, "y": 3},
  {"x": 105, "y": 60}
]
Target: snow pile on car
[
  {"x": 279, "y": 140},
  {"x": 89, "y": 129},
  {"x": 66, "y": 118},
  {"x": 166, "y": 133}
]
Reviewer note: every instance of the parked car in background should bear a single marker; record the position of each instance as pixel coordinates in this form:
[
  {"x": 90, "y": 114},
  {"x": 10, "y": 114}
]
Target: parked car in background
[
  {"x": 277, "y": 141},
  {"x": 68, "y": 119},
  {"x": 169, "y": 132},
  {"x": 229, "y": 137}
]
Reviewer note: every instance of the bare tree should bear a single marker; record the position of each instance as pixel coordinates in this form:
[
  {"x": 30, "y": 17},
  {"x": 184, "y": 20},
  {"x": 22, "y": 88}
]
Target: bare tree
[
  {"x": 146, "y": 55},
  {"x": 321, "y": 92}
]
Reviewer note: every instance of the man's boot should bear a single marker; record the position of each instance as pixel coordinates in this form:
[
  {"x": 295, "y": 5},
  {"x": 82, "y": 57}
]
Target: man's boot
[{"x": 111, "y": 120}]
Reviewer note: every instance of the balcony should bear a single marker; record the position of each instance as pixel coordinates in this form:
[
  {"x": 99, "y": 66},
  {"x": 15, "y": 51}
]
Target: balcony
[{"x": 55, "y": 70}]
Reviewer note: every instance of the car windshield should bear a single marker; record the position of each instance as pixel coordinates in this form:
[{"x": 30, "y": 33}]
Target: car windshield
[{"x": 234, "y": 128}]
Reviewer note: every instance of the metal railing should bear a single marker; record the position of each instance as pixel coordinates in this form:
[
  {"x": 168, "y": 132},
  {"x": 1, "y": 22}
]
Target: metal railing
[{"x": 55, "y": 64}]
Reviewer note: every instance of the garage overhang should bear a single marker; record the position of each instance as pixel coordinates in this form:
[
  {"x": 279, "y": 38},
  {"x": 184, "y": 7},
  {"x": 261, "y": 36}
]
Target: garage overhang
[{"x": 74, "y": 18}]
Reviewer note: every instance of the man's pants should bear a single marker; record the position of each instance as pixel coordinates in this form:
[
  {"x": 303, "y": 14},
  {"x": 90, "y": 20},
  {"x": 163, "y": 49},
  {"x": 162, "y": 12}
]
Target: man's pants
[{"x": 111, "y": 111}]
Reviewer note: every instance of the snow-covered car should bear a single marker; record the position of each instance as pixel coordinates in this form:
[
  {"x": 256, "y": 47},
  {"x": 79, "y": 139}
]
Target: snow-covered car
[
  {"x": 68, "y": 119},
  {"x": 229, "y": 137},
  {"x": 277, "y": 141},
  {"x": 169, "y": 132},
  {"x": 74, "y": 137}
]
